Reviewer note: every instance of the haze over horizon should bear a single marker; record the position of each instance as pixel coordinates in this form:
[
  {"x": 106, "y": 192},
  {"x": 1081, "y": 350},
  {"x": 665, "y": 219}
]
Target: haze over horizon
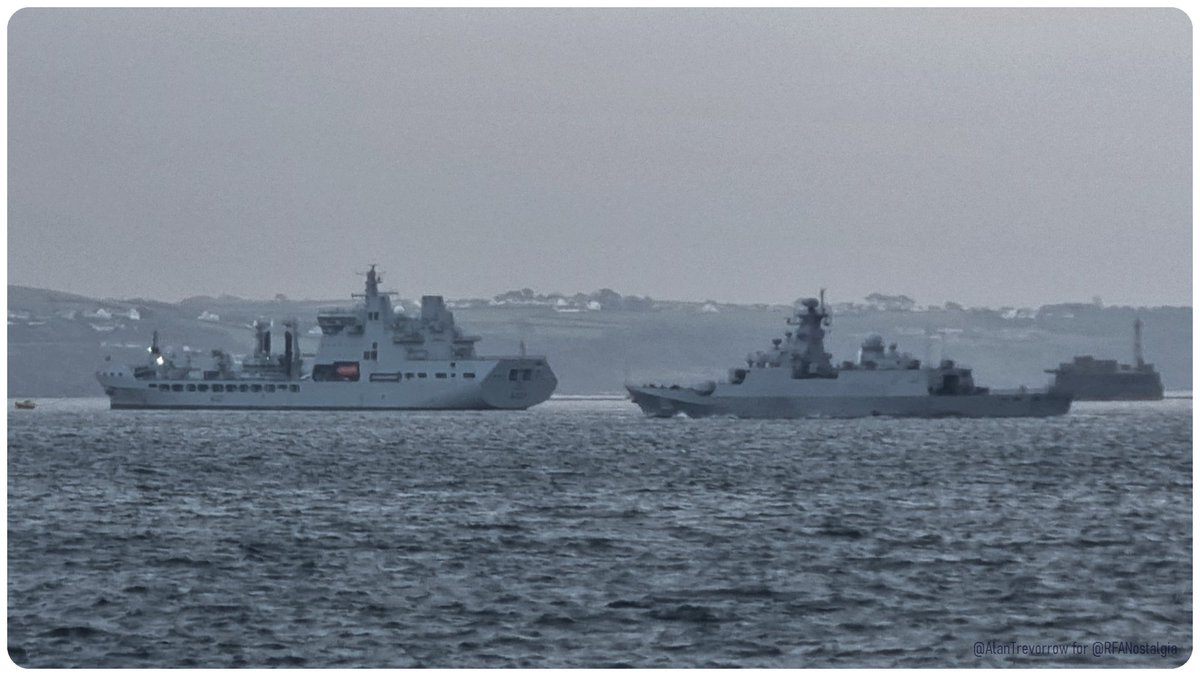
[
  {"x": 986, "y": 157},
  {"x": 416, "y": 293}
]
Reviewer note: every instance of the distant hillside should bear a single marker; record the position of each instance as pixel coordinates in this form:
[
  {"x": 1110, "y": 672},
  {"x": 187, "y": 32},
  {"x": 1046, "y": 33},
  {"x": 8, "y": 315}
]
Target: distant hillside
[{"x": 595, "y": 341}]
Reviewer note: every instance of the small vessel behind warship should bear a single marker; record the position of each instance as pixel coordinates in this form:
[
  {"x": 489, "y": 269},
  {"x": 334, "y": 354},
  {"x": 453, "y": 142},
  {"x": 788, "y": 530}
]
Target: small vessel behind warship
[
  {"x": 795, "y": 379},
  {"x": 1086, "y": 378},
  {"x": 370, "y": 357}
]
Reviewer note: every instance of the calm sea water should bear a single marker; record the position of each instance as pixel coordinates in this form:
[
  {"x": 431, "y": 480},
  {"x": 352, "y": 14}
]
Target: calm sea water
[{"x": 582, "y": 534}]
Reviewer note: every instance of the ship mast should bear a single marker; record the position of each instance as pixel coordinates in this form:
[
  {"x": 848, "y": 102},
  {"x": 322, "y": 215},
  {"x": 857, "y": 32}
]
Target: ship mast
[
  {"x": 1137, "y": 343},
  {"x": 826, "y": 315},
  {"x": 372, "y": 283},
  {"x": 372, "y": 286}
]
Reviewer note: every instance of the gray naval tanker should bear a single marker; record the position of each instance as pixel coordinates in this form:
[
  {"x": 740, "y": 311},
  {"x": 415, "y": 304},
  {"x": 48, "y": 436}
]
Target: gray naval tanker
[
  {"x": 370, "y": 357},
  {"x": 795, "y": 379}
]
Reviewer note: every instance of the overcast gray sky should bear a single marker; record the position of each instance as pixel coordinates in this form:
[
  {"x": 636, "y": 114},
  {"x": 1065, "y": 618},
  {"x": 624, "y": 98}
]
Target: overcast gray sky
[{"x": 998, "y": 157}]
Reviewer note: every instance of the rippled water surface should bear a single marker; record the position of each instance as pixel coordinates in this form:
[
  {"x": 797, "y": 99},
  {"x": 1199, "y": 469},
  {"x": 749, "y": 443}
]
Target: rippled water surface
[{"x": 581, "y": 534}]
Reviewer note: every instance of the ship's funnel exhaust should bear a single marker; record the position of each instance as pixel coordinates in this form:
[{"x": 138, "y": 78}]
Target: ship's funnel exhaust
[
  {"x": 262, "y": 338},
  {"x": 287, "y": 351},
  {"x": 432, "y": 308}
]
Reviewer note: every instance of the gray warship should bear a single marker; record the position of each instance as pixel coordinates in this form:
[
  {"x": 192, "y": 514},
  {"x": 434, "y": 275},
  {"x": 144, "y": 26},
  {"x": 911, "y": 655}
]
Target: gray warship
[
  {"x": 795, "y": 379},
  {"x": 1086, "y": 378},
  {"x": 370, "y": 357}
]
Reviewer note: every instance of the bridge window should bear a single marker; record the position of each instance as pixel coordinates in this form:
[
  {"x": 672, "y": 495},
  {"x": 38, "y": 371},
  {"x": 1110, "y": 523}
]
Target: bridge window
[
  {"x": 294, "y": 388},
  {"x": 512, "y": 374},
  {"x": 441, "y": 375},
  {"x": 256, "y": 388},
  {"x": 191, "y": 387},
  {"x": 270, "y": 388},
  {"x": 202, "y": 387},
  {"x": 177, "y": 388},
  {"x": 218, "y": 388},
  {"x": 468, "y": 375},
  {"x": 242, "y": 388}
]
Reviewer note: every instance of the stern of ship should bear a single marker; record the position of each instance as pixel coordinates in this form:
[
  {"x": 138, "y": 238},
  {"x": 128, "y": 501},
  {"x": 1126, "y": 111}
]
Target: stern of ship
[
  {"x": 518, "y": 382},
  {"x": 1006, "y": 404},
  {"x": 1052, "y": 403}
]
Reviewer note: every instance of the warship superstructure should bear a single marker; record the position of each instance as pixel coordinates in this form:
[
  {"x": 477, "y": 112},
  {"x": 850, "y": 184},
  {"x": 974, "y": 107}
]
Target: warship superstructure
[
  {"x": 370, "y": 357},
  {"x": 796, "y": 379},
  {"x": 1086, "y": 378}
]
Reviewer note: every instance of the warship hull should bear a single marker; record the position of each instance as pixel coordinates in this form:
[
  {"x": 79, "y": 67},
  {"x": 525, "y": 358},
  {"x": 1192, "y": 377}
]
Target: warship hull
[
  {"x": 797, "y": 379},
  {"x": 666, "y": 402}
]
